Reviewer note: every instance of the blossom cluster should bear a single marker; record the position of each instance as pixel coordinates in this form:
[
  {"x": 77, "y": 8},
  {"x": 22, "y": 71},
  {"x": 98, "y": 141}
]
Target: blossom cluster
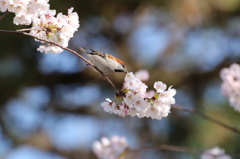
[
  {"x": 110, "y": 148},
  {"x": 45, "y": 24},
  {"x": 136, "y": 101},
  {"x": 215, "y": 153},
  {"x": 25, "y": 10},
  {"x": 231, "y": 85}
]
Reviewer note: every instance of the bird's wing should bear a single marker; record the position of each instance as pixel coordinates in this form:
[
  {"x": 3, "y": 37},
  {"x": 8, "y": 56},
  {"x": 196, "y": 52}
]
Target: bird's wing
[
  {"x": 82, "y": 50},
  {"x": 94, "y": 52}
]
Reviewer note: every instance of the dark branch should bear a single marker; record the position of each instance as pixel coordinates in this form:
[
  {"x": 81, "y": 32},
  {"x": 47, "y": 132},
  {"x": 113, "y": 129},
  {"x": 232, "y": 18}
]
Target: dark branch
[
  {"x": 167, "y": 147},
  {"x": 226, "y": 126},
  {"x": 174, "y": 149}
]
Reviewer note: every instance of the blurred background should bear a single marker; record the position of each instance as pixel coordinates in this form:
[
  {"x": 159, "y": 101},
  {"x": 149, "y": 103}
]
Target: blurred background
[{"x": 50, "y": 103}]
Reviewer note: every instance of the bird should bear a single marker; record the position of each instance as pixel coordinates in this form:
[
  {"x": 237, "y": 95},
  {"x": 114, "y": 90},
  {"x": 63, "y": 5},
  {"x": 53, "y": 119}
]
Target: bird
[{"x": 106, "y": 63}]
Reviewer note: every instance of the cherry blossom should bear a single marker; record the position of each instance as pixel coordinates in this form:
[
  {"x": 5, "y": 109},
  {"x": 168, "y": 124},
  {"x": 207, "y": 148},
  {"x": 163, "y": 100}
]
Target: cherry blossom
[
  {"x": 215, "y": 153},
  {"x": 45, "y": 25},
  {"x": 231, "y": 85},
  {"x": 137, "y": 101},
  {"x": 110, "y": 148}
]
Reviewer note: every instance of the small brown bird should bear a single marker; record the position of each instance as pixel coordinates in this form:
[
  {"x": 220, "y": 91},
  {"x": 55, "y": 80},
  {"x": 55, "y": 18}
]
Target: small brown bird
[{"x": 106, "y": 63}]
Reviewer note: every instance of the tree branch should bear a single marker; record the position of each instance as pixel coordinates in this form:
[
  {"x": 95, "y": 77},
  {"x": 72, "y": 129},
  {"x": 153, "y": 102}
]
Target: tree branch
[
  {"x": 72, "y": 51},
  {"x": 167, "y": 147},
  {"x": 172, "y": 148},
  {"x": 226, "y": 126}
]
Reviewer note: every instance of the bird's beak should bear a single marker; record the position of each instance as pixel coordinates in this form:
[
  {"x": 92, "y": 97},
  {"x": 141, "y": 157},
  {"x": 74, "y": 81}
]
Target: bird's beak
[{"x": 125, "y": 71}]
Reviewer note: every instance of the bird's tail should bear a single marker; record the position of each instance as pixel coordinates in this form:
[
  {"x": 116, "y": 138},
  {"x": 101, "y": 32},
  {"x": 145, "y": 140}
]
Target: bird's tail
[{"x": 82, "y": 50}]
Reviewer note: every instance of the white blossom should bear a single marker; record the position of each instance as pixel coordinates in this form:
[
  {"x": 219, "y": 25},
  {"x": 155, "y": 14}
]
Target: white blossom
[
  {"x": 22, "y": 19},
  {"x": 45, "y": 25},
  {"x": 130, "y": 98},
  {"x": 150, "y": 94},
  {"x": 132, "y": 112},
  {"x": 160, "y": 86},
  {"x": 231, "y": 85},
  {"x": 141, "y": 105},
  {"x": 108, "y": 106},
  {"x": 25, "y": 10},
  {"x": 143, "y": 75},
  {"x": 57, "y": 29},
  {"x": 215, "y": 153},
  {"x": 138, "y": 102},
  {"x": 3, "y": 5},
  {"x": 110, "y": 148}
]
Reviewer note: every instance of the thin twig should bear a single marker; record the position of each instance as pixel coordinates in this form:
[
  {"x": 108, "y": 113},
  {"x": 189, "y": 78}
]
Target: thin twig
[
  {"x": 166, "y": 147},
  {"x": 27, "y": 29},
  {"x": 4, "y": 15},
  {"x": 72, "y": 51},
  {"x": 174, "y": 149},
  {"x": 226, "y": 126}
]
